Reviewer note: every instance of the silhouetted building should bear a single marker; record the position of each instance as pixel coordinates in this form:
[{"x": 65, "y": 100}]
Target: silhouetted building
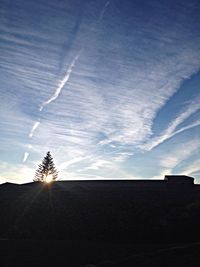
[{"x": 179, "y": 179}]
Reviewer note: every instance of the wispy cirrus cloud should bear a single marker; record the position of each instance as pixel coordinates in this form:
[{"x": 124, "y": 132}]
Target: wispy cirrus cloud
[
  {"x": 179, "y": 153},
  {"x": 174, "y": 159},
  {"x": 68, "y": 163},
  {"x": 64, "y": 81},
  {"x": 192, "y": 169},
  {"x": 168, "y": 162},
  {"x": 172, "y": 130},
  {"x": 18, "y": 173},
  {"x": 131, "y": 66}
]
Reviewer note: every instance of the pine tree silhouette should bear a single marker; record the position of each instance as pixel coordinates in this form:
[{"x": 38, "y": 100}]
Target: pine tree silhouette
[{"x": 46, "y": 169}]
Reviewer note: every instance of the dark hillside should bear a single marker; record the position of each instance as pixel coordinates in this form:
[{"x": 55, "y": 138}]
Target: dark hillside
[{"x": 117, "y": 211}]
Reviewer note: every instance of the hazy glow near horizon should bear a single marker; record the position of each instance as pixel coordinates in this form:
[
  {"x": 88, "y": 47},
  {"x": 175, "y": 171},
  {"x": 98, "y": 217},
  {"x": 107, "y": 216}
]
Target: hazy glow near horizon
[{"x": 111, "y": 88}]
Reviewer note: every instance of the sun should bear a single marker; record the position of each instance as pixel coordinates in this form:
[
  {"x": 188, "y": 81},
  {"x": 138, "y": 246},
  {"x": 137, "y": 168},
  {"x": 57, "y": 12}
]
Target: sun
[{"x": 48, "y": 178}]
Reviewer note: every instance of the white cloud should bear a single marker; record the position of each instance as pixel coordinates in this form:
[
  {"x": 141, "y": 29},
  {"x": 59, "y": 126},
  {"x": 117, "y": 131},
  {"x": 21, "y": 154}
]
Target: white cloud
[
  {"x": 68, "y": 163},
  {"x": 99, "y": 163},
  {"x": 18, "y": 173},
  {"x": 178, "y": 154},
  {"x": 170, "y": 131},
  {"x": 192, "y": 168},
  {"x": 113, "y": 97}
]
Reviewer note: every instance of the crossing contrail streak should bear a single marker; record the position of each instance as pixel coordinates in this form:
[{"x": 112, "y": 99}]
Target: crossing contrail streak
[
  {"x": 54, "y": 97},
  {"x": 35, "y": 126},
  {"x": 26, "y": 155},
  {"x": 103, "y": 11},
  {"x": 62, "y": 82}
]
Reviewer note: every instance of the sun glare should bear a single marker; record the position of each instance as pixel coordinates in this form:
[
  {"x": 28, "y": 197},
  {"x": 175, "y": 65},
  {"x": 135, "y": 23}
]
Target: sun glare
[{"x": 49, "y": 179}]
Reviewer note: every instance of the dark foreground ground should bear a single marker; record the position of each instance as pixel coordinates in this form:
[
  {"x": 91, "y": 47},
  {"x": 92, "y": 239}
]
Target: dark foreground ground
[
  {"x": 119, "y": 224},
  {"x": 81, "y": 254}
]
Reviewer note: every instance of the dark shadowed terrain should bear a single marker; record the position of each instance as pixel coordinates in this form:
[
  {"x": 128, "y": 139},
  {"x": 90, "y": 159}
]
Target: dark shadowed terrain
[
  {"x": 104, "y": 223},
  {"x": 85, "y": 254}
]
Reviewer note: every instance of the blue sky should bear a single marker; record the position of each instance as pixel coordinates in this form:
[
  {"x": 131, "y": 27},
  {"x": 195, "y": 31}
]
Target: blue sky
[{"x": 111, "y": 88}]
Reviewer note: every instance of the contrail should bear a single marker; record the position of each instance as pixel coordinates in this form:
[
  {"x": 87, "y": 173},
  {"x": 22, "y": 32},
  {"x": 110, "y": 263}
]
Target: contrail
[
  {"x": 103, "y": 11},
  {"x": 26, "y": 155},
  {"x": 54, "y": 97},
  {"x": 62, "y": 83},
  {"x": 70, "y": 69},
  {"x": 66, "y": 164},
  {"x": 35, "y": 126}
]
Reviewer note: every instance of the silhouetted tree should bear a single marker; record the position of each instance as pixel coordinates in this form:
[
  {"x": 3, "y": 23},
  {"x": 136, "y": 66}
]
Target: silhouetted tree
[{"x": 46, "y": 171}]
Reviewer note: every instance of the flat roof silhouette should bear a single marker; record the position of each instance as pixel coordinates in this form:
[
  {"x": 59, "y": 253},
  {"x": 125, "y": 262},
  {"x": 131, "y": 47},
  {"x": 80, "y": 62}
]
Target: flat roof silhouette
[{"x": 169, "y": 181}]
